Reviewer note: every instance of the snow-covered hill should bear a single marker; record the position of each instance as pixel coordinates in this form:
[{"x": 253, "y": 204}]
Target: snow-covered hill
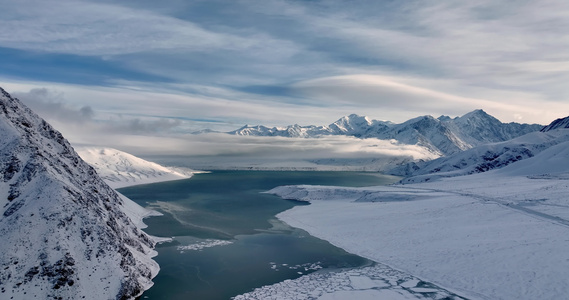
[
  {"x": 119, "y": 169},
  {"x": 443, "y": 135},
  {"x": 65, "y": 233},
  {"x": 483, "y": 158}
]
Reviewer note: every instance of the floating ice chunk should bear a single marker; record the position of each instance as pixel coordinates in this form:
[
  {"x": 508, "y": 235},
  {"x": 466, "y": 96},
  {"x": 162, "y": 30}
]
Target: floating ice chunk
[{"x": 205, "y": 244}]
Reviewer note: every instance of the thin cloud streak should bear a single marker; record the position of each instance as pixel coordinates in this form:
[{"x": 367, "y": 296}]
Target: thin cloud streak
[
  {"x": 90, "y": 28},
  {"x": 380, "y": 92}
]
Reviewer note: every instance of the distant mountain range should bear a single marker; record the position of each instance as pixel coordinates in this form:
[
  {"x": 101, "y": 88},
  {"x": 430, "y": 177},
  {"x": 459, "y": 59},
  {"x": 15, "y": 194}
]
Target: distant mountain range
[{"x": 443, "y": 135}]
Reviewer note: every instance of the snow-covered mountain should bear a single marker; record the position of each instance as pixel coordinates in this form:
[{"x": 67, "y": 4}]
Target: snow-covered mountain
[
  {"x": 485, "y": 157},
  {"x": 65, "y": 233},
  {"x": 428, "y": 132},
  {"x": 479, "y": 127},
  {"x": 288, "y": 131},
  {"x": 443, "y": 135},
  {"x": 119, "y": 169},
  {"x": 352, "y": 125},
  {"x": 557, "y": 124}
]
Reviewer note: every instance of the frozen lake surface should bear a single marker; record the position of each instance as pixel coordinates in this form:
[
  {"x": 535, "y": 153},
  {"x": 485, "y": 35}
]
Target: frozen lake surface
[{"x": 227, "y": 241}]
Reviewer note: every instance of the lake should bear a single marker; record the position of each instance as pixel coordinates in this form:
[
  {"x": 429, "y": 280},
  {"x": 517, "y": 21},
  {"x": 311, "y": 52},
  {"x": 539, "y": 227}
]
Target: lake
[{"x": 226, "y": 239}]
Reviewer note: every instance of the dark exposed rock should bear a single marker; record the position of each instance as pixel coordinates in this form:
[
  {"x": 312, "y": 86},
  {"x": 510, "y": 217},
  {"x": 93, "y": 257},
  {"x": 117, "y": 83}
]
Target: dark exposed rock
[{"x": 557, "y": 124}]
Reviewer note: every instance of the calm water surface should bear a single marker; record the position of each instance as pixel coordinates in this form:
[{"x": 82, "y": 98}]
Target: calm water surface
[{"x": 229, "y": 208}]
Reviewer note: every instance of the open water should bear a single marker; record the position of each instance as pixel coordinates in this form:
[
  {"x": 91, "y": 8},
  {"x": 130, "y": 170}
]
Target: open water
[{"x": 226, "y": 239}]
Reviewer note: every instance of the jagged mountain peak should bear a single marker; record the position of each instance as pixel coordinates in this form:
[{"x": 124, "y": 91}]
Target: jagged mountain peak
[
  {"x": 479, "y": 111},
  {"x": 443, "y": 135},
  {"x": 354, "y": 119},
  {"x": 476, "y": 116},
  {"x": 557, "y": 124},
  {"x": 426, "y": 119},
  {"x": 64, "y": 232}
]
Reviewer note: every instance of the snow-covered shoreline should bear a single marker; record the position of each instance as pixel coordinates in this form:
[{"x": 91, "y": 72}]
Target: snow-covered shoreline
[
  {"x": 486, "y": 236},
  {"x": 120, "y": 169}
]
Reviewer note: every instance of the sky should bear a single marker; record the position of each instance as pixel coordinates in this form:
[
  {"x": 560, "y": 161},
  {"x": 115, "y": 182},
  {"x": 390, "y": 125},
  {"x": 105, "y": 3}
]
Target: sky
[{"x": 136, "y": 69}]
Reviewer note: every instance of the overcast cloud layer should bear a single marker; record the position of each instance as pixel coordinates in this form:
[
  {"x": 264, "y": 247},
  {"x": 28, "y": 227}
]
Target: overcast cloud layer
[{"x": 166, "y": 68}]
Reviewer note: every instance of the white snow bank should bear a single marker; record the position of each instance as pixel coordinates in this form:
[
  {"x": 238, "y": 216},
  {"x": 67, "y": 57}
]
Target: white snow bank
[
  {"x": 485, "y": 236},
  {"x": 135, "y": 212}
]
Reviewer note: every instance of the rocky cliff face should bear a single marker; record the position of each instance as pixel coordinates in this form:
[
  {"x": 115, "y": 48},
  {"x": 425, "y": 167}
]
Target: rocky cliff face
[{"x": 64, "y": 232}]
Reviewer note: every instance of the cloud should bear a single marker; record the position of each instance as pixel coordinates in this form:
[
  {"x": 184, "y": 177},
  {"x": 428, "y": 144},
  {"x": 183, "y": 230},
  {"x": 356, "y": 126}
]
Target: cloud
[
  {"x": 223, "y": 150},
  {"x": 483, "y": 47},
  {"x": 50, "y": 105},
  {"x": 400, "y": 96},
  {"x": 53, "y": 107},
  {"x": 223, "y": 64},
  {"x": 141, "y": 127},
  {"x": 91, "y": 28},
  {"x": 201, "y": 108}
]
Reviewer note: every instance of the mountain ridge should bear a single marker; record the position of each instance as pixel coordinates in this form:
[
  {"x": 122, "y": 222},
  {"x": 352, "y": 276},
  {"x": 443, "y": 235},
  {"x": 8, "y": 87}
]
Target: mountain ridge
[
  {"x": 487, "y": 157},
  {"x": 443, "y": 135},
  {"x": 557, "y": 124},
  {"x": 65, "y": 233}
]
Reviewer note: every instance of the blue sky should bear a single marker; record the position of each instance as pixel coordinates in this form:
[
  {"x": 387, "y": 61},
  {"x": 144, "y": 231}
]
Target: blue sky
[{"x": 173, "y": 66}]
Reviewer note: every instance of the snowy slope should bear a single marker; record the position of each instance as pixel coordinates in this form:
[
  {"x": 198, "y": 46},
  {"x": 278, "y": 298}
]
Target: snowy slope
[
  {"x": 552, "y": 162},
  {"x": 470, "y": 125},
  {"x": 120, "y": 169},
  {"x": 64, "y": 232},
  {"x": 358, "y": 126},
  {"x": 483, "y": 158},
  {"x": 428, "y": 132},
  {"x": 493, "y": 235},
  {"x": 443, "y": 136},
  {"x": 557, "y": 124}
]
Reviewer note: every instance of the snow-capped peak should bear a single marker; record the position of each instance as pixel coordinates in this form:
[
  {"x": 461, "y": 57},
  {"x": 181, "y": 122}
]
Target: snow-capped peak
[
  {"x": 351, "y": 125},
  {"x": 476, "y": 117},
  {"x": 442, "y": 136}
]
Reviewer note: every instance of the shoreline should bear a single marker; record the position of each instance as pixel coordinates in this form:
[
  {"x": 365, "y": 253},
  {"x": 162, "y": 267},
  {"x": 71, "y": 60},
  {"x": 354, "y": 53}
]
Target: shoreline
[{"x": 478, "y": 243}]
